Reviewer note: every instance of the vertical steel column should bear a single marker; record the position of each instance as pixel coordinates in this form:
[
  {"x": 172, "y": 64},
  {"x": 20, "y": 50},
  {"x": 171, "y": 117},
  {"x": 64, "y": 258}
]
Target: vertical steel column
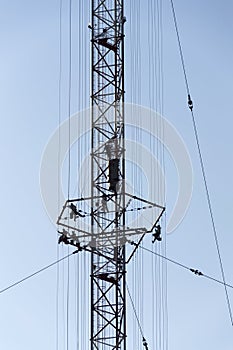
[{"x": 108, "y": 328}]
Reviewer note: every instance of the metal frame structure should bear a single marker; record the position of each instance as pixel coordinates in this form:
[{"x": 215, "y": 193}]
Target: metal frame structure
[
  {"x": 108, "y": 299},
  {"x": 105, "y": 221}
]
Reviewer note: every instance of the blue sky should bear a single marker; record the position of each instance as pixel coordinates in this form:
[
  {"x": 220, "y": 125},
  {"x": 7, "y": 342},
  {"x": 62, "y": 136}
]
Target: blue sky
[{"x": 29, "y": 68}]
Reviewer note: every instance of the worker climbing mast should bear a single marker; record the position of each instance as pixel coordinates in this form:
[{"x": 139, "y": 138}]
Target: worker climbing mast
[{"x": 110, "y": 218}]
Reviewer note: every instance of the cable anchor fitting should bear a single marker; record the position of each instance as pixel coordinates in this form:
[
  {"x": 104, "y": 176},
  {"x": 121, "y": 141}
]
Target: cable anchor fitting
[
  {"x": 133, "y": 243},
  {"x": 145, "y": 344},
  {"x": 196, "y": 272}
]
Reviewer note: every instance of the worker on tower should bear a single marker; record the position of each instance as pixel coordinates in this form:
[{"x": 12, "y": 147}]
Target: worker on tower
[
  {"x": 104, "y": 203},
  {"x": 103, "y": 39},
  {"x": 74, "y": 212},
  {"x": 157, "y": 234},
  {"x": 63, "y": 238}
]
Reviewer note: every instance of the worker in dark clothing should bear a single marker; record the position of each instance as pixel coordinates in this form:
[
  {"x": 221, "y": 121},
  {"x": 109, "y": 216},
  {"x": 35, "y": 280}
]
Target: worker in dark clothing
[
  {"x": 103, "y": 39},
  {"x": 63, "y": 238},
  {"x": 74, "y": 212},
  {"x": 157, "y": 234}
]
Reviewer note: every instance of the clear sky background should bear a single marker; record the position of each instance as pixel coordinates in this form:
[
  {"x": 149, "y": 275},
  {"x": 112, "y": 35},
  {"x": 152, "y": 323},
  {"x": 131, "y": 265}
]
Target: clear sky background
[{"x": 29, "y": 70}]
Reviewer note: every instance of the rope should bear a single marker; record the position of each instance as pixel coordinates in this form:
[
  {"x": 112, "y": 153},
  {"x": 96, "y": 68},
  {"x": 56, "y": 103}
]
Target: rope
[
  {"x": 58, "y": 166},
  {"x": 165, "y": 289},
  {"x": 67, "y": 302},
  {"x": 57, "y": 301},
  {"x": 69, "y": 92},
  {"x": 69, "y": 163},
  {"x": 159, "y": 315},
  {"x": 190, "y": 104}
]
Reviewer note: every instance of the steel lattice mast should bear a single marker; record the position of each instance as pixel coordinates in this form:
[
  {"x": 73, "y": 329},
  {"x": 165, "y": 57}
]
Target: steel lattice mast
[
  {"x": 105, "y": 221},
  {"x": 108, "y": 324}
]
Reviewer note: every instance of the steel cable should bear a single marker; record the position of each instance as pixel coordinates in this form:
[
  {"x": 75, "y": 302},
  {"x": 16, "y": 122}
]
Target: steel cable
[{"x": 190, "y": 103}]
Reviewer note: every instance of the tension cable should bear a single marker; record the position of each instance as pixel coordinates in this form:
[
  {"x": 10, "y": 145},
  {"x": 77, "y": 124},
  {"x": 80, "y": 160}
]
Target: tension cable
[
  {"x": 37, "y": 272},
  {"x": 190, "y": 105},
  {"x": 144, "y": 342},
  {"x": 194, "y": 271}
]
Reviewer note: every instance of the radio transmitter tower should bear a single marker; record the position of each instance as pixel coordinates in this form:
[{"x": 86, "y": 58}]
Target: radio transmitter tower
[{"x": 105, "y": 223}]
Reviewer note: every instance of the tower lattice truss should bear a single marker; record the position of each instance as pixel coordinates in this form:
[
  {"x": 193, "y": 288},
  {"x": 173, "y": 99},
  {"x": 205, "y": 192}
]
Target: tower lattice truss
[{"x": 109, "y": 218}]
